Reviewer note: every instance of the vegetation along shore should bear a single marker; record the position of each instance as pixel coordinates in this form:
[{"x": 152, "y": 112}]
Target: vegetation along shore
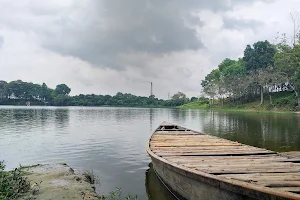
[
  {"x": 26, "y": 93},
  {"x": 266, "y": 78},
  {"x": 56, "y": 181}
]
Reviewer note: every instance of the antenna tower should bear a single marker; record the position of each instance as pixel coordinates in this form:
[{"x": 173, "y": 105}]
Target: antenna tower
[{"x": 151, "y": 92}]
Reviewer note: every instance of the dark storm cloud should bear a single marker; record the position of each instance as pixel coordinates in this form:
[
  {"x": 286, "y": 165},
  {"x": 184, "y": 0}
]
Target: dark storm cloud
[
  {"x": 100, "y": 32},
  {"x": 115, "y": 27}
]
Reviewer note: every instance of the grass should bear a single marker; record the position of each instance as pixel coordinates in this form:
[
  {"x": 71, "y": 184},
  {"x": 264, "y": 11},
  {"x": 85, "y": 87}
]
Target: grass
[
  {"x": 12, "y": 183},
  {"x": 195, "y": 105},
  {"x": 281, "y": 102},
  {"x": 117, "y": 195}
]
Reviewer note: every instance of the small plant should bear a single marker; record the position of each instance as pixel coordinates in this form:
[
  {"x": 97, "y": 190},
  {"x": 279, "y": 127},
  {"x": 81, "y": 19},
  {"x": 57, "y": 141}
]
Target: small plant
[
  {"x": 117, "y": 195},
  {"x": 91, "y": 177},
  {"x": 12, "y": 183}
]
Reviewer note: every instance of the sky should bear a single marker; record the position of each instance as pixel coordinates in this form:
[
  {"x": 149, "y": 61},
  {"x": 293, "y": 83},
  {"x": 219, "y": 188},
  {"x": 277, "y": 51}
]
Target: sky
[{"x": 110, "y": 46}]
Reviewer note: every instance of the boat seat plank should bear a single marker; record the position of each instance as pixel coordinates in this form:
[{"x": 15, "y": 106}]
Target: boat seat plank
[
  {"x": 264, "y": 176},
  {"x": 226, "y": 159}
]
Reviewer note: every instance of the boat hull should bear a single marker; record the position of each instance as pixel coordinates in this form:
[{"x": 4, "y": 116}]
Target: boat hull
[{"x": 188, "y": 186}]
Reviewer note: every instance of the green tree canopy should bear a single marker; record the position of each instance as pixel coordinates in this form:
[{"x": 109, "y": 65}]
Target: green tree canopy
[
  {"x": 260, "y": 56},
  {"x": 62, "y": 89}
]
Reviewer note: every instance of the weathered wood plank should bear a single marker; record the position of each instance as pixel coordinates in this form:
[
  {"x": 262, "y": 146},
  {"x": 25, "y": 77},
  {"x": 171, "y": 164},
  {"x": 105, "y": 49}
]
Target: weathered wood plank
[
  {"x": 215, "y": 153},
  {"x": 262, "y": 158},
  {"x": 264, "y": 176}
]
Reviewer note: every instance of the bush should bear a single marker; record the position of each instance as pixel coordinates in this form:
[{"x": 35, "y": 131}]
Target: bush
[
  {"x": 286, "y": 101},
  {"x": 12, "y": 183}
]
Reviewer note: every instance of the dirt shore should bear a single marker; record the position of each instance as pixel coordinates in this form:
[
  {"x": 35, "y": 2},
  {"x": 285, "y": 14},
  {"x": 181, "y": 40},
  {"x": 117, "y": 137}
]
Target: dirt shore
[{"x": 58, "y": 182}]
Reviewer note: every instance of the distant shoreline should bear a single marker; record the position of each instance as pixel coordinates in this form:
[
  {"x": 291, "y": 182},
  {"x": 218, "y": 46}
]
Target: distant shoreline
[{"x": 242, "y": 110}]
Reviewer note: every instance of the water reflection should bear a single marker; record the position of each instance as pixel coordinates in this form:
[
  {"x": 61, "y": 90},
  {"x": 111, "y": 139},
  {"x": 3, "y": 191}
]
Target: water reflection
[
  {"x": 278, "y": 132},
  {"x": 61, "y": 117},
  {"x": 111, "y": 141},
  {"x": 154, "y": 187}
]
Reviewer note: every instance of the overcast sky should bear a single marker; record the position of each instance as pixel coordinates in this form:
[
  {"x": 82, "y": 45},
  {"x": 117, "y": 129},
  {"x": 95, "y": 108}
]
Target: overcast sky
[{"x": 106, "y": 46}]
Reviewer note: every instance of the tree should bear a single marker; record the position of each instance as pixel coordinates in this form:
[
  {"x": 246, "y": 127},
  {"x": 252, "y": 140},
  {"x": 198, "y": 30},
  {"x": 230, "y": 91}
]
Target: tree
[
  {"x": 3, "y": 93},
  {"x": 211, "y": 84},
  {"x": 296, "y": 80},
  {"x": 62, "y": 89},
  {"x": 232, "y": 78},
  {"x": 257, "y": 59},
  {"x": 45, "y": 93},
  {"x": 15, "y": 89},
  {"x": 179, "y": 99},
  {"x": 194, "y": 99},
  {"x": 260, "y": 56},
  {"x": 287, "y": 60},
  {"x": 295, "y": 18},
  {"x": 266, "y": 78},
  {"x": 61, "y": 100}
]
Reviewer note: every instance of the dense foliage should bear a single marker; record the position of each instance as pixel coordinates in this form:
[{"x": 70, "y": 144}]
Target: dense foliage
[
  {"x": 264, "y": 70},
  {"x": 20, "y": 92}
]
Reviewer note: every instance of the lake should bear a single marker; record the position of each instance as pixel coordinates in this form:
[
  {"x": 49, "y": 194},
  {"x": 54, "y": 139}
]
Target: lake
[{"x": 112, "y": 141}]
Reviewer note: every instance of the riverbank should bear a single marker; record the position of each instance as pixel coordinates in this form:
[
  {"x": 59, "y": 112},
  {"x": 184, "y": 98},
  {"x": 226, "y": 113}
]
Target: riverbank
[
  {"x": 259, "y": 109},
  {"x": 283, "y": 102},
  {"x": 48, "y": 182},
  {"x": 58, "y": 181}
]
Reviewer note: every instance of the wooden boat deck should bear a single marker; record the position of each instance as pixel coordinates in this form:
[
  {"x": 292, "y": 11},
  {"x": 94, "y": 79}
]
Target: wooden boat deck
[{"x": 227, "y": 162}]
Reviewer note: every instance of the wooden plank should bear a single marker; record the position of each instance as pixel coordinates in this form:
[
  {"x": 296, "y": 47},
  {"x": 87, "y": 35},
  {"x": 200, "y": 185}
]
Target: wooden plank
[
  {"x": 264, "y": 176},
  {"x": 222, "y": 163},
  {"x": 290, "y": 189},
  {"x": 226, "y": 158},
  {"x": 231, "y": 165},
  {"x": 215, "y": 153},
  {"x": 204, "y": 148},
  {"x": 247, "y": 169}
]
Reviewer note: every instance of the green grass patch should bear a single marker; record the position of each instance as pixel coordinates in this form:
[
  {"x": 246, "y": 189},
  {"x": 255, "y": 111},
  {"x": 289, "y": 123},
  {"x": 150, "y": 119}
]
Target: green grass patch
[
  {"x": 196, "y": 105},
  {"x": 281, "y": 102}
]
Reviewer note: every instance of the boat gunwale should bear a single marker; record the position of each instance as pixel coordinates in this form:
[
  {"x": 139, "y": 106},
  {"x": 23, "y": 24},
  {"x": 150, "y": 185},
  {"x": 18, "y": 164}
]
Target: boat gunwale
[{"x": 235, "y": 186}]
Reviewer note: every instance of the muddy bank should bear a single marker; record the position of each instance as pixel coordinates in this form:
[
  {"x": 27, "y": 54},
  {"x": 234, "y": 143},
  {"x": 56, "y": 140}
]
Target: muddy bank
[{"x": 58, "y": 182}]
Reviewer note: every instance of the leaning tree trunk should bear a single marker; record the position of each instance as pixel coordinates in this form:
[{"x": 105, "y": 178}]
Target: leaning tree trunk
[
  {"x": 298, "y": 99},
  {"x": 271, "y": 102},
  {"x": 297, "y": 96},
  {"x": 261, "y": 95}
]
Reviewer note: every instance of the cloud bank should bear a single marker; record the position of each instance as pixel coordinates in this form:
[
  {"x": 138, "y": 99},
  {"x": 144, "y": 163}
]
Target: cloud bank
[{"x": 108, "y": 46}]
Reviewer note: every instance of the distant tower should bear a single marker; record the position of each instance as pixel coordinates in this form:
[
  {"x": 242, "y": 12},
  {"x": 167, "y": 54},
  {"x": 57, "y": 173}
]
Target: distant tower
[{"x": 151, "y": 92}]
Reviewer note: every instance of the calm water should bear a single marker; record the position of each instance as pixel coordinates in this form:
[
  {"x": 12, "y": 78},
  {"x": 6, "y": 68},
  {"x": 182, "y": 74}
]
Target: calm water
[{"x": 111, "y": 141}]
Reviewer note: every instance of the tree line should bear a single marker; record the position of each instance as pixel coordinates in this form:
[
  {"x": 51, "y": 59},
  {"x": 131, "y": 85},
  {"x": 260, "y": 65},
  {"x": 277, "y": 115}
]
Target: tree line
[
  {"x": 264, "y": 70},
  {"x": 19, "y": 92}
]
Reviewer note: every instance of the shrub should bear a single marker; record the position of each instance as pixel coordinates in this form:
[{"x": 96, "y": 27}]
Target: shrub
[
  {"x": 286, "y": 101},
  {"x": 12, "y": 183}
]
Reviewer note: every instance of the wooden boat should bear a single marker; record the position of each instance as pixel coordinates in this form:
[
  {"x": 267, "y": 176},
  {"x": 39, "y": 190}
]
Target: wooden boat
[{"x": 200, "y": 166}]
